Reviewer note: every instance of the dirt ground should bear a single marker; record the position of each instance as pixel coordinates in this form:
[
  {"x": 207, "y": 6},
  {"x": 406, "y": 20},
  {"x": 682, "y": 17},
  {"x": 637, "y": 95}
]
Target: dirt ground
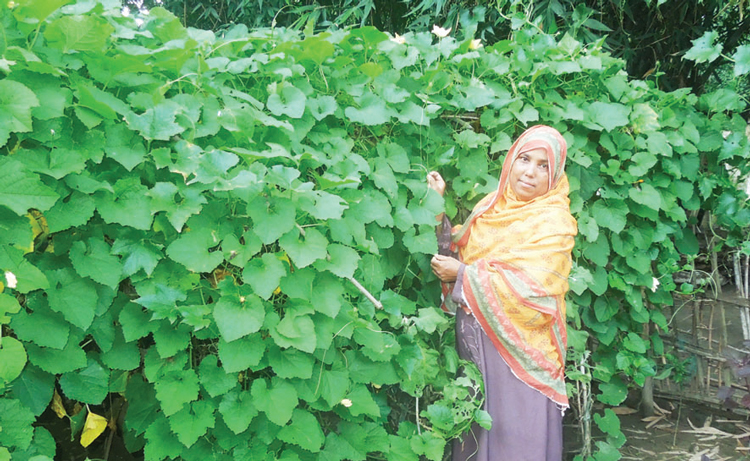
[{"x": 678, "y": 432}]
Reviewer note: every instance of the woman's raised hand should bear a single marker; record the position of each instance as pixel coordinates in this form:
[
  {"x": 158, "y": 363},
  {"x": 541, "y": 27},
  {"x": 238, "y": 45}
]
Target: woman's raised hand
[{"x": 436, "y": 182}]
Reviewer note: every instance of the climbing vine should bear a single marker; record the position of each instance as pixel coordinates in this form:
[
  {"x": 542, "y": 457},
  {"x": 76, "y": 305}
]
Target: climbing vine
[{"x": 231, "y": 233}]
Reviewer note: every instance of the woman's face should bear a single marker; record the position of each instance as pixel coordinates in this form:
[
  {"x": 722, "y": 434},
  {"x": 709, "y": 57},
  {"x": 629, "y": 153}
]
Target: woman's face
[{"x": 529, "y": 175}]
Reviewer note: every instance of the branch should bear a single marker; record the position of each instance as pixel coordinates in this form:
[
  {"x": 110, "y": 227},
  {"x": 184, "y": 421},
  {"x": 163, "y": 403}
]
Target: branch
[{"x": 367, "y": 294}]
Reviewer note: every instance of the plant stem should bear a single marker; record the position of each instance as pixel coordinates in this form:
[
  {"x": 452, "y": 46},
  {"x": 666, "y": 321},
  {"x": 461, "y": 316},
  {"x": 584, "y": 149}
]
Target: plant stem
[{"x": 367, "y": 294}]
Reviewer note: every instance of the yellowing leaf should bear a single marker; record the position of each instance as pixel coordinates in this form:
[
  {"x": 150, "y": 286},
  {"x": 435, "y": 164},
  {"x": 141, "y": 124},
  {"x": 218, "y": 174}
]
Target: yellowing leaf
[
  {"x": 93, "y": 428},
  {"x": 58, "y": 407}
]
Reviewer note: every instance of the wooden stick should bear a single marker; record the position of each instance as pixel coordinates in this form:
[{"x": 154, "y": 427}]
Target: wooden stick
[{"x": 367, "y": 294}]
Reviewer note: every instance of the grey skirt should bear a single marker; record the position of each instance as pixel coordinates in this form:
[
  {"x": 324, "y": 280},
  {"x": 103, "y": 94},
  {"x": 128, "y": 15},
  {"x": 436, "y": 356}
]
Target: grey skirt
[{"x": 526, "y": 425}]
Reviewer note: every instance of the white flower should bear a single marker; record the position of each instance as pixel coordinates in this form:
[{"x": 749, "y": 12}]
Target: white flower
[
  {"x": 398, "y": 39},
  {"x": 10, "y": 277},
  {"x": 346, "y": 402},
  {"x": 440, "y": 32},
  {"x": 126, "y": 11},
  {"x": 475, "y": 44},
  {"x": 654, "y": 284}
]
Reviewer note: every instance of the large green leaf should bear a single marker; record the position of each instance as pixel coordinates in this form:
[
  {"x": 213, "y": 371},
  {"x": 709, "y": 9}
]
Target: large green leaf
[
  {"x": 21, "y": 190},
  {"x": 89, "y": 385},
  {"x": 93, "y": 259},
  {"x": 705, "y": 48},
  {"x": 12, "y": 359},
  {"x": 237, "y": 409},
  {"x": 176, "y": 389},
  {"x": 73, "y": 34},
  {"x": 16, "y": 102},
  {"x": 16, "y": 421},
  {"x": 196, "y": 250},
  {"x": 190, "y": 423},
  {"x": 277, "y": 401},
  {"x": 264, "y": 274},
  {"x": 304, "y": 431},
  {"x": 237, "y": 317}
]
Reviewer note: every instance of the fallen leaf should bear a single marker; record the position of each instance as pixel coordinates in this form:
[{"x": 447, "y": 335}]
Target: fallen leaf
[{"x": 93, "y": 428}]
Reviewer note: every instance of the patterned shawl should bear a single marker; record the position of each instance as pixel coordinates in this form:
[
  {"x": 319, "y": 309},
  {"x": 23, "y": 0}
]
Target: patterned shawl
[{"x": 517, "y": 257}]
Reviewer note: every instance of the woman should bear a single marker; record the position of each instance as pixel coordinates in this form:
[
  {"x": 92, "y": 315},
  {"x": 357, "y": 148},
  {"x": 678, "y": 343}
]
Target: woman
[{"x": 509, "y": 287}]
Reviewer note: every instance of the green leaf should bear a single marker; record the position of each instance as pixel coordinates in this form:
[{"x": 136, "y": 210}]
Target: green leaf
[
  {"x": 34, "y": 388},
  {"x": 179, "y": 203},
  {"x": 28, "y": 277},
  {"x": 334, "y": 385},
  {"x": 322, "y": 106},
  {"x": 214, "y": 379},
  {"x": 635, "y": 343},
  {"x": 610, "y": 425},
  {"x": 129, "y": 205},
  {"x": 93, "y": 259},
  {"x": 290, "y": 363},
  {"x": 16, "y": 102},
  {"x": 89, "y": 385},
  {"x": 142, "y": 404},
  {"x": 136, "y": 255},
  {"x": 611, "y": 214},
  {"x": 290, "y": 101},
  {"x": 642, "y": 163},
  {"x": 157, "y": 122},
  {"x": 362, "y": 402},
  {"x": 327, "y": 294},
  {"x": 304, "y": 251},
  {"x": 75, "y": 212},
  {"x": 429, "y": 319},
  {"x": 42, "y": 327},
  {"x": 429, "y": 444},
  {"x": 277, "y": 401},
  {"x": 371, "y": 111},
  {"x": 8, "y": 305},
  {"x": 323, "y": 205},
  {"x": 612, "y": 393},
  {"x": 741, "y": 59},
  {"x": 57, "y": 361},
  {"x": 238, "y": 317},
  {"x": 171, "y": 339},
  {"x": 264, "y": 274},
  {"x": 424, "y": 242},
  {"x": 124, "y": 146},
  {"x": 78, "y": 33},
  {"x": 161, "y": 441},
  {"x": 123, "y": 355},
  {"x": 238, "y": 411},
  {"x": 73, "y": 296},
  {"x": 608, "y": 115},
  {"x": 272, "y": 218},
  {"x": 646, "y": 195},
  {"x": 192, "y": 422},
  {"x": 241, "y": 354},
  {"x": 12, "y": 359},
  {"x": 377, "y": 345},
  {"x": 35, "y": 11},
  {"x": 342, "y": 261},
  {"x": 134, "y": 321},
  {"x": 705, "y": 49},
  {"x": 16, "y": 422},
  {"x": 176, "y": 389},
  {"x": 304, "y": 431},
  {"x": 195, "y": 250},
  {"x": 297, "y": 331},
  {"x": 21, "y": 190}
]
